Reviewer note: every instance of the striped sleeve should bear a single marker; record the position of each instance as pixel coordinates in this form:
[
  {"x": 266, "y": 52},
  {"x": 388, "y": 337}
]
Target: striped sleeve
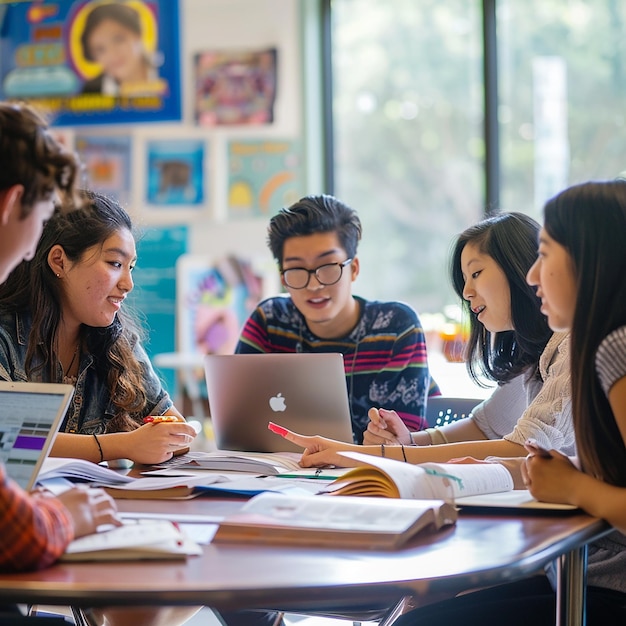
[
  {"x": 34, "y": 529},
  {"x": 254, "y": 336},
  {"x": 611, "y": 358}
]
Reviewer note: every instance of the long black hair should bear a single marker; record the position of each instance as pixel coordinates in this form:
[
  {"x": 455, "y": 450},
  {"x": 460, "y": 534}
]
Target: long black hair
[
  {"x": 589, "y": 221},
  {"x": 33, "y": 289},
  {"x": 510, "y": 239}
]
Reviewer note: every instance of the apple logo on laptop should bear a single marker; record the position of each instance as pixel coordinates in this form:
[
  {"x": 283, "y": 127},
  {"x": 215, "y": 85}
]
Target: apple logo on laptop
[{"x": 277, "y": 402}]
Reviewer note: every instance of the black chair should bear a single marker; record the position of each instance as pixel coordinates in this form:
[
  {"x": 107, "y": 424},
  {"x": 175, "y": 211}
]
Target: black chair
[{"x": 442, "y": 410}]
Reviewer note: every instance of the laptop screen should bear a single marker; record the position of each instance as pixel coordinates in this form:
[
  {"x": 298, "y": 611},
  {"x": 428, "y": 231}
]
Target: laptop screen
[{"x": 30, "y": 416}]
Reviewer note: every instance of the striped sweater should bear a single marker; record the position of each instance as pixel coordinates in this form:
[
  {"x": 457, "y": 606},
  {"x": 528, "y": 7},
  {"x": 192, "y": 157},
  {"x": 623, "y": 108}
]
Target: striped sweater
[{"x": 384, "y": 355}]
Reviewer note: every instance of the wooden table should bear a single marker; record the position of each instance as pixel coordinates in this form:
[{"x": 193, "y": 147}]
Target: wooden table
[{"x": 479, "y": 550}]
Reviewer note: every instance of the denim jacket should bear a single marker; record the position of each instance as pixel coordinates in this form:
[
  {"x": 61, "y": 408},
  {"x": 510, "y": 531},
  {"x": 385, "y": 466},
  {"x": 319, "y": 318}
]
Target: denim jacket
[{"x": 91, "y": 408}]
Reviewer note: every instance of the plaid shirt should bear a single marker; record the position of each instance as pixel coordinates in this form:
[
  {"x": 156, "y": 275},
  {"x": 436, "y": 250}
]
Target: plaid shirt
[{"x": 34, "y": 528}]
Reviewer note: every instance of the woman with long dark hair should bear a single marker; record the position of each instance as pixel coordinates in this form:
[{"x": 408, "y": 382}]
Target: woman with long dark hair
[{"x": 63, "y": 319}]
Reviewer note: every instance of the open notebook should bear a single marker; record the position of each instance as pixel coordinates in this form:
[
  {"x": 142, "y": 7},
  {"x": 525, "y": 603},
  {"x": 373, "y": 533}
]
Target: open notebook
[
  {"x": 30, "y": 417},
  {"x": 303, "y": 392}
]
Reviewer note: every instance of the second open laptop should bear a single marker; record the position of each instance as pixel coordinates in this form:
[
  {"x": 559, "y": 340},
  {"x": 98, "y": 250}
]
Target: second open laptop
[
  {"x": 30, "y": 417},
  {"x": 306, "y": 393}
]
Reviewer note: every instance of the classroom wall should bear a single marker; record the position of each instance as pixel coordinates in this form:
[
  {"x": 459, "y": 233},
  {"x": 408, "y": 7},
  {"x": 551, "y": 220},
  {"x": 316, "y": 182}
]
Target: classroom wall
[
  {"x": 210, "y": 229},
  {"x": 221, "y": 25}
]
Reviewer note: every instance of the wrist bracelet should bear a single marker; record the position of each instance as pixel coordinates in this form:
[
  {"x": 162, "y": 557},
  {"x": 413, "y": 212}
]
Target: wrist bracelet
[
  {"x": 99, "y": 448},
  {"x": 437, "y": 437}
]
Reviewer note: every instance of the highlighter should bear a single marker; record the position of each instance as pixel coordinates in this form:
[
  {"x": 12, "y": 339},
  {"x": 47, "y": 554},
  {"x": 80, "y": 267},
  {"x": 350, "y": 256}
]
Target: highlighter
[{"x": 155, "y": 419}]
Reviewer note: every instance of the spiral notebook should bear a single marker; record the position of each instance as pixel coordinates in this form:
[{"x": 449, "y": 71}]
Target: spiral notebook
[{"x": 30, "y": 417}]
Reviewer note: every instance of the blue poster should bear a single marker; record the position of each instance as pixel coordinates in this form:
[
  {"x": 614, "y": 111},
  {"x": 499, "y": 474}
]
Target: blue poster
[
  {"x": 154, "y": 295},
  {"x": 93, "y": 61},
  {"x": 175, "y": 171}
]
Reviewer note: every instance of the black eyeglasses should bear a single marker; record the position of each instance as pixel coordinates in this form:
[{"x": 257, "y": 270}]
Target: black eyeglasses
[{"x": 299, "y": 277}]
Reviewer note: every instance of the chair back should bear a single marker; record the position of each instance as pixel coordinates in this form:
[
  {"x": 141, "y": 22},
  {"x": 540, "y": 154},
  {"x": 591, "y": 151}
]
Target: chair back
[{"x": 442, "y": 410}]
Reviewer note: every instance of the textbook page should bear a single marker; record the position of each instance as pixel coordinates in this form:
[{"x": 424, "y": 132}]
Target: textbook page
[
  {"x": 121, "y": 485},
  {"x": 517, "y": 499},
  {"x": 395, "y": 479},
  {"x": 341, "y": 522}
]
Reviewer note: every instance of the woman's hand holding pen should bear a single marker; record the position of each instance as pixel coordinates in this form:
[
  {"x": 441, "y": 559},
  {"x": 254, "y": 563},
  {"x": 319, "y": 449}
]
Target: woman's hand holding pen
[
  {"x": 160, "y": 438},
  {"x": 318, "y": 451},
  {"x": 387, "y": 428},
  {"x": 549, "y": 475}
]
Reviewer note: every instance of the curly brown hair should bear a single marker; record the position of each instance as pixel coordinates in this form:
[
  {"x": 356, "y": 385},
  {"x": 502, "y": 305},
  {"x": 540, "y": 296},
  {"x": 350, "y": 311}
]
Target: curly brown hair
[{"x": 30, "y": 156}]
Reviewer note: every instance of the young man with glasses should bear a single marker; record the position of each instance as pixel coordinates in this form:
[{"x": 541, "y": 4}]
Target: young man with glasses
[{"x": 314, "y": 242}]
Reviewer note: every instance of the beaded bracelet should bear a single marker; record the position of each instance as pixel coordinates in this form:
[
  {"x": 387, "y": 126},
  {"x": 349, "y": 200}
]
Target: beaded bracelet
[{"x": 99, "y": 448}]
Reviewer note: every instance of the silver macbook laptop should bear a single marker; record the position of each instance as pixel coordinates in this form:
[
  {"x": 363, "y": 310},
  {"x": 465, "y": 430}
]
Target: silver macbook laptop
[
  {"x": 303, "y": 392},
  {"x": 30, "y": 417}
]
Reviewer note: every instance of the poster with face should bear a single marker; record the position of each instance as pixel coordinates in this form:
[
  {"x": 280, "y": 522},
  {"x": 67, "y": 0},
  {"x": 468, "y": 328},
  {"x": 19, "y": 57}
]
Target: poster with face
[{"x": 93, "y": 61}]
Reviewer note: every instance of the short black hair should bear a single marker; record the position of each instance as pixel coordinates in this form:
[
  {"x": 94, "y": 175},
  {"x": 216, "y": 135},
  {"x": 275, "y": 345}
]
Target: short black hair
[{"x": 311, "y": 215}]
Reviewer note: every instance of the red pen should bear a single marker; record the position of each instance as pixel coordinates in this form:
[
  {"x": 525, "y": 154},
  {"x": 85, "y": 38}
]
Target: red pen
[{"x": 279, "y": 430}]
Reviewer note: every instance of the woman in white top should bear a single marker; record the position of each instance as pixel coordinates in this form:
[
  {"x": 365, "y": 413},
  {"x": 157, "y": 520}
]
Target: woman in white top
[{"x": 510, "y": 343}]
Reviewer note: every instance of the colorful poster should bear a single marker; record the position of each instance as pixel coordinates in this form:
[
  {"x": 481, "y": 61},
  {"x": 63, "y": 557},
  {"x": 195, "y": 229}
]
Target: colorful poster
[
  {"x": 214, "y": 300},
  {"x": 264, "y": 175},
  {"x": 93, "y": 61},
  {"x": 107, "y": 161},
  {"x": 176, "y": 172},
  {"x": 235, "y": 87}
]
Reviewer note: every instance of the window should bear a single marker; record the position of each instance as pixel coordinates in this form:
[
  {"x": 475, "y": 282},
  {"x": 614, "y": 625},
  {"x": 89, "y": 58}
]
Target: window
[
  {"x": 562, "y": 81},
  {"x": 409, "y": 119},
  {"x": 408, "y": 136}
]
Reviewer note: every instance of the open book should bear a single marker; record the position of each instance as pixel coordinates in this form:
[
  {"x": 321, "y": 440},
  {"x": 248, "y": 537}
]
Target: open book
[
  {"x": 340, "y": 522},
  {"x": 479, "y": 485},
  {"x": 268, "y": 463},
  {"x": 120, "y": 485},
  {"x": 388, "y": 478},
  {"x": 135, "y": 540}
]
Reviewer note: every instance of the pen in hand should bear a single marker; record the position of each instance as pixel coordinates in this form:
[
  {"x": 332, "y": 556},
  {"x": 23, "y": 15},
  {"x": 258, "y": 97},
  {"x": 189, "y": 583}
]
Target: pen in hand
[
  {"x": 155, "y": 419},
  {"x": 534, "y": 448}
]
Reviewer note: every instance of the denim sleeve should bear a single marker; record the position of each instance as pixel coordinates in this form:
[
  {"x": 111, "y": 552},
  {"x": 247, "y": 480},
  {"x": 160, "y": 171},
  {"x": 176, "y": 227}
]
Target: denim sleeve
[{"x": 158, "y": 398}]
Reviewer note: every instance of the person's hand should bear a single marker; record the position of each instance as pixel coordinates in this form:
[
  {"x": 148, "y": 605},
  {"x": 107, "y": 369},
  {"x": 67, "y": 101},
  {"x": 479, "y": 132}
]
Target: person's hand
[
  {"x": 386, "y": 427},
  {"x": 89, "y": 508},
  {"x": 550, "y": 479},
  {"x": 156, "y": 441},
  {"x": 318, "y": 451},
  {"x": 514, "y": 465}
]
